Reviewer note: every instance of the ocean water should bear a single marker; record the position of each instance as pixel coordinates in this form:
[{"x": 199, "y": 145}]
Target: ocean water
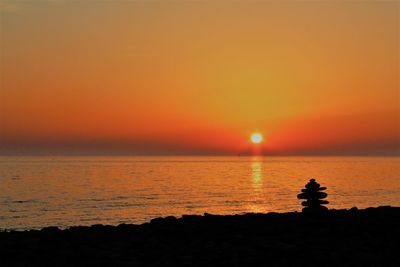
[{"x": 63, "y": 191}]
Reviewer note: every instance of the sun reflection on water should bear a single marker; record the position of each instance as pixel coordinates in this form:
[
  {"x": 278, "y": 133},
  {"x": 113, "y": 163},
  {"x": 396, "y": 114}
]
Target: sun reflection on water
[
  {"x": 257, "y": 185},
  {"x": 256, "y": 175}
]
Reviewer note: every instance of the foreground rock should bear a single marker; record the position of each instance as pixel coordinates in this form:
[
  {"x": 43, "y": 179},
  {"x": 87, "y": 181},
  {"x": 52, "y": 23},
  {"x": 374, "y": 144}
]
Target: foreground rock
[
  {"x": 313, "y": 195},
  {"x": 353, "y": 237}
]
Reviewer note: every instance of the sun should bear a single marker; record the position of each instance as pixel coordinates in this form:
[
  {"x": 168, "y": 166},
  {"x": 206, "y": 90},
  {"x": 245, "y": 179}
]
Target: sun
[{"x": 256, "y": 138}]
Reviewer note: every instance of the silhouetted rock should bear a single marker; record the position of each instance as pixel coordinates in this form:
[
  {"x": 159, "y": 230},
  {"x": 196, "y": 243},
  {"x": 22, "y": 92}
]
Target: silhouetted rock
[
  {"x": 366, "y": 237},
  {"x": 313, "y": 195}
]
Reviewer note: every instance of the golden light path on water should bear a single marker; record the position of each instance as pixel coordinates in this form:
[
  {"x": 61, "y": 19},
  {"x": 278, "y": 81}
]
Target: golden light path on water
[
  {"x": 257, "y": 183},
  {"x": 65, "y": 191}
]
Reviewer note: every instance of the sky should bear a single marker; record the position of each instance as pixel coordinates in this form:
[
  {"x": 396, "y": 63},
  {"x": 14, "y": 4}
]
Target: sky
[{"x": 198, "y": 77}]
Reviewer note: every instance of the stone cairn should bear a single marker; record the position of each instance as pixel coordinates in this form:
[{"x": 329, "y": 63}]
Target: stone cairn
[{"x": 313, "y": 196}]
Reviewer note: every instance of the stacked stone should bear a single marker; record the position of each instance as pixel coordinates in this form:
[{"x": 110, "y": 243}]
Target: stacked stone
[{"x": 313, "y": 196}]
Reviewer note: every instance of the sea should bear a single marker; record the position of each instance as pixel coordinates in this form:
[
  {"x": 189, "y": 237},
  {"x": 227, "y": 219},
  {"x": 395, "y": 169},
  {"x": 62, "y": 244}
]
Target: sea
[{"x": 37, "y": 192}]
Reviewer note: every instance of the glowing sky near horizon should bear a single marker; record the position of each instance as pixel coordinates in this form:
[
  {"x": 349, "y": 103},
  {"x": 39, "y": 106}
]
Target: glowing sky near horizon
[{"x": 200, "y": 76}]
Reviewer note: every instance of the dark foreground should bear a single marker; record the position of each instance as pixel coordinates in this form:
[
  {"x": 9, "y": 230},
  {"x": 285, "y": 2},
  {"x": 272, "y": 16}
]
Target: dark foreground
[{"x": 369, "y": 237}]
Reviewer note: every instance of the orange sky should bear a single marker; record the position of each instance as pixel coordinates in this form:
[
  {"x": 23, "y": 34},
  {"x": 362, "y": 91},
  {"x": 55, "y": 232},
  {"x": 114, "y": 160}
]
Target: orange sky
[{"x": 180, "y": 77}]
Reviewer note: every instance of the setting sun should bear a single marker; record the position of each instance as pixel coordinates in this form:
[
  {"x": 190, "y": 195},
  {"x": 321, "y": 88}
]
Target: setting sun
[{"x": 256, "y": 138}]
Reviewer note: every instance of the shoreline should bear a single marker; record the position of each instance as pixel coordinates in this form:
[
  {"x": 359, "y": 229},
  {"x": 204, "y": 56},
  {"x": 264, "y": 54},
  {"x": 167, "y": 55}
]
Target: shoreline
[{"x": 353, "y": 237}]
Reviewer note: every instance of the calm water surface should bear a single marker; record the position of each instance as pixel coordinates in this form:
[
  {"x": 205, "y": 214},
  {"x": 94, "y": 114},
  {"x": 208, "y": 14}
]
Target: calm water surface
[{"x": 65, "y": 191}]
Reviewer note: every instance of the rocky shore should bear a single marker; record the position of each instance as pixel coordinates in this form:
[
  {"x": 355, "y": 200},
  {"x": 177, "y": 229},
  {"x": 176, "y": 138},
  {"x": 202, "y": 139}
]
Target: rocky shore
[{"x": 368, "y": 237}]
